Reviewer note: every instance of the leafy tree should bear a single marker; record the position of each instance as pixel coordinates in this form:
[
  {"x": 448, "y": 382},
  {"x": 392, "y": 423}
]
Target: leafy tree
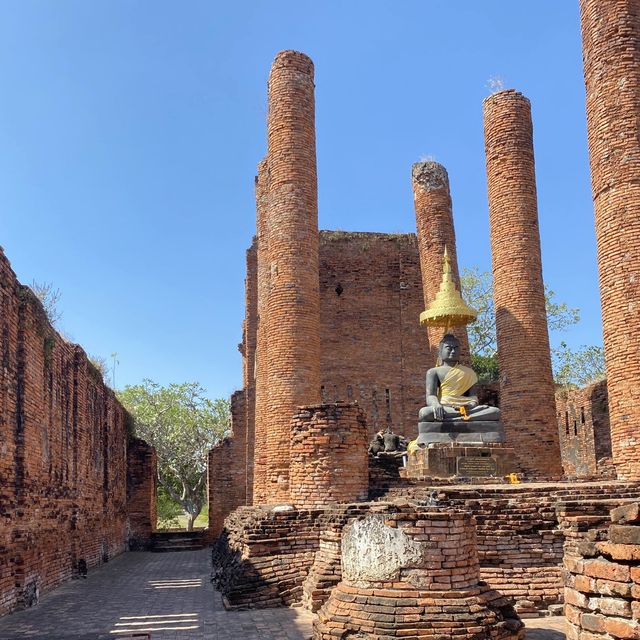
[
  {"x": 182, "y": 424},
  {"x": 577, "y": 367}
]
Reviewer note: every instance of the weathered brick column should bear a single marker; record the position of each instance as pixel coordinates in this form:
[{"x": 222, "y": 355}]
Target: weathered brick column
[
  {"x": 611, "y": 54},
  {"x": 329, "y": 460},
  {"x": 527, "y": 398},
  {"x": 293, "y": 307},
  {"x": 434, "y": 222},
  {"x": 141, "y": 493},
  {"x": 411, "y": 572},
  {"x": 263, "y": 268}
]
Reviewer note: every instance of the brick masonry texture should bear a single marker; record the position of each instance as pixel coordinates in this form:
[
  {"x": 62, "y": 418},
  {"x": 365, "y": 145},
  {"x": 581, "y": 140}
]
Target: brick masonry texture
[
  {"x": 142, "y": 467},
  {"x": 373, "y": 348},
  {"x": 293, "y": 304},
  {"x": 526, "y": 389},
  {"x": 227, "y": 468},
  {"x": 521, "y": 531},
  {"x": 602, "y": 580},
  {"x": 410, "y": 572},
  {"x": 329, "y": 461},
  {"x": 611, "y": 55},
  {"x": 248, "y": 349},
  {"x": 263, "y": 276},
  {"x": 63, "y": 461},
  {"x": 434, "y": 222},
  {"x": 584, "y": 432}
]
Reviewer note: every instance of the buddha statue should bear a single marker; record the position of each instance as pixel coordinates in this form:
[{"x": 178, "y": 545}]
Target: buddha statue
[
  {"x": 452, "y": 413},
  {"x": 449, "y": 389}
]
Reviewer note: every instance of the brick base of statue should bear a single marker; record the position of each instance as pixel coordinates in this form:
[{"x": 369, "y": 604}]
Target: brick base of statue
[
  {"x": 477, "y": 463},
  {"x": 412, "y": 572}
]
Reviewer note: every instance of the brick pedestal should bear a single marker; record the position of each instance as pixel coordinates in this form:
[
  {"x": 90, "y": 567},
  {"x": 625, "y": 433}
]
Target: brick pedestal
[
  {"x": 413, "y": 573},
  {"x": 329, "y": 461},
  {"x": 527, "y": 400}
]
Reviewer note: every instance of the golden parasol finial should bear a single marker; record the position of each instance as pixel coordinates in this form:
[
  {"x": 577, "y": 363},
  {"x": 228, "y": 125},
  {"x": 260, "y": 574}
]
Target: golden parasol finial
[{"x": 448, "y": 309}]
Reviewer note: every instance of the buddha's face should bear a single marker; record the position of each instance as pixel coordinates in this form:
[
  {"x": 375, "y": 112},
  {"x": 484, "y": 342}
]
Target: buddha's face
[{"x": 449, "y": 350}]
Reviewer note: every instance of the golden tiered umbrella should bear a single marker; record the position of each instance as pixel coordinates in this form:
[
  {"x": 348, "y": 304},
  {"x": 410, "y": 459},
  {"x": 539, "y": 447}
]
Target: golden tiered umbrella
[{"x": 448, "y": 309}]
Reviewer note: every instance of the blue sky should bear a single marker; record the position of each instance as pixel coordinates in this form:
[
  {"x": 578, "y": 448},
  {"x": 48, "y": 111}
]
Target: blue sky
[{"x": 130, "y": 132}]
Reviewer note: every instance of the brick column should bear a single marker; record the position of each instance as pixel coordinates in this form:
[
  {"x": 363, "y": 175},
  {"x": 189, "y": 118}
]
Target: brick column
[
  {"x": 527, "y": 396},
  {"x": 434, "y": 222},
  {"x": 260, "y": 355},
  {"x": 329, "y": 460},
  {"x": 611, "y": 54},
  {"x": 293, "y": 326}
]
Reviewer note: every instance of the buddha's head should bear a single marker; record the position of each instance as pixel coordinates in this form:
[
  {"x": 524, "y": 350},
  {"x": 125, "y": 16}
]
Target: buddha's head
[{"x": 449, "y": 349}]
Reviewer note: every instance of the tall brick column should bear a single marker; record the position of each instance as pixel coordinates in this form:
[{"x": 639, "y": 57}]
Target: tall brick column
[
  {"x": 434, "y": 222},
  {"x": 611, "y": 54},
  {"x": 527, "y": 396},
  {"x": 293, "y": 326},
  {"x": 261, "y": 410}
]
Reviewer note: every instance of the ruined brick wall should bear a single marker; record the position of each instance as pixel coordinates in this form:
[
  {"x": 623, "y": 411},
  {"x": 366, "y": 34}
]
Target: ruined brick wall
[
  {"x": 373, "y": 348},
  {"x": 611, "y": 54},
  {"x": 263, "y": 278},
  {"x": 227, "y": 468},
  {"x": 583, "y": 429},
  {"x": 526, "y": 382},
  {"x": 142, "y": 467},
  {"x": 329, "y": 461},
  {"x": 434, "y": 222},
  {"x": 63, "y": 456},
  {"x": 293, "y": 305},
  {"x": 602, "y": 581},
  {"x": 249, "y": 337}
]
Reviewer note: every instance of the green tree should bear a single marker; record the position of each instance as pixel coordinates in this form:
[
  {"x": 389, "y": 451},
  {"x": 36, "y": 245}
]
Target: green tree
[
  {"x": 576, "y": 367},
  {"x": 182, "y": 424}
]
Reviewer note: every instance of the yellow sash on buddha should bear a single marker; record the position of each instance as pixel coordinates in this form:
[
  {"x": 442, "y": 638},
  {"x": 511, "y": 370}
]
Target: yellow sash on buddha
[{"x": 458, "y": 380}]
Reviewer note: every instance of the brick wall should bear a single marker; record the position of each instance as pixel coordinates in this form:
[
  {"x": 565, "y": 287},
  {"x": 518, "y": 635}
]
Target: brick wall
[
  {"x": 583, "y": 428},
  {"x": 329, "y": 461},
  {"x": 63, "y": 454},
  {"x": 373, "y": 348},
  {"x": 248, "y": 348},
  {"x": 602, "y": 581},
  {"x": 611, "y": 54},
  {"x": 227, "y": 469},
  {"x": 263, "y": 278},
  {"x": 526, "y": 382},
  {"x": 434, "y": 222},
  {"x": 141, "y": 493}
]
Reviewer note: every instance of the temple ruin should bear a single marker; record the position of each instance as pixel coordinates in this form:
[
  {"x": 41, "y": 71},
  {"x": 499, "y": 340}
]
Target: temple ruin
[{"x": 461, "y": 539}]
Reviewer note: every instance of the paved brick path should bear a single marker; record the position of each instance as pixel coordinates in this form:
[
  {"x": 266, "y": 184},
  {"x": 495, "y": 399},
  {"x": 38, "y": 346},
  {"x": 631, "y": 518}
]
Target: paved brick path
[
  {"x": 169, "y": 596},
  {"x": 166, "y": 594}
]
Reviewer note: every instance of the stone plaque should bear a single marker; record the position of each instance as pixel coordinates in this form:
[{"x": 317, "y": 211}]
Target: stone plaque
[{"x": 476, "y": 466}]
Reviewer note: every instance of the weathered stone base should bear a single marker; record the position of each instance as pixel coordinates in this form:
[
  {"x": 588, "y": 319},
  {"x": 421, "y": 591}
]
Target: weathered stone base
[
  {"x": 381, "y": 614},
  {"x": 490, "y": 463},
  {"x": 412, "y": 572}
]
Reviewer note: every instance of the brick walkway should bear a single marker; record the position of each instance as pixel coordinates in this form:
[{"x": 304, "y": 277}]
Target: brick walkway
[{"x": 168, "y": 595}]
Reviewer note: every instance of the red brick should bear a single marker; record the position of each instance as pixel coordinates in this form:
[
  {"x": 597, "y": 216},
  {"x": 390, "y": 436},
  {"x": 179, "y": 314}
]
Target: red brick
[{"x": 521, "y": 320}]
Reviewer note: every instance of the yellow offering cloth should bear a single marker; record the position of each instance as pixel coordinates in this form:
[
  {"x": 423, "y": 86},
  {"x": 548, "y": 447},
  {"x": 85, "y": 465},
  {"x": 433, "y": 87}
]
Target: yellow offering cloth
[{"x": 458, "y": 380}]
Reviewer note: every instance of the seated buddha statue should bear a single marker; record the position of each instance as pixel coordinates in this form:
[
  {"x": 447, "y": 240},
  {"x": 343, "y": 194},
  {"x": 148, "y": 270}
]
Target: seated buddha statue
[{"x": 449, "y": 389}]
